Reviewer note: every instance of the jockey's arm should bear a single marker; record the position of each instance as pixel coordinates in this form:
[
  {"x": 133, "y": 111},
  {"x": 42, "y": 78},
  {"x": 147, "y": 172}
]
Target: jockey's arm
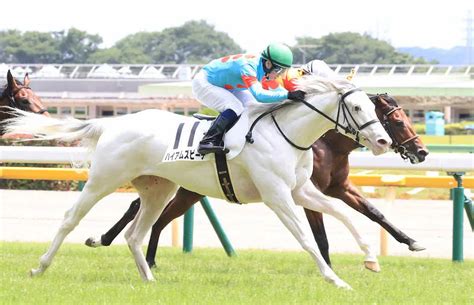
[{"x": 261, "y": 95}]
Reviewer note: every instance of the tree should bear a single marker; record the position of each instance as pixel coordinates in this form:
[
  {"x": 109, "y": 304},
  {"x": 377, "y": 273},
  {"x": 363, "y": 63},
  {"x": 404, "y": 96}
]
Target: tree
[
  {"x": 30, "y": 47},
  {"x": 76, "y": 46},
  {"x": 9, "y": 41},
  {"x": 73, "y": 46},
  {"x": 139, "y": 48},
  {"x": 105, "y": 56},
  {"x": 306, "y": 49},
  {"x": 350, "y": 48},
  {"x": 195, "y": 42}
]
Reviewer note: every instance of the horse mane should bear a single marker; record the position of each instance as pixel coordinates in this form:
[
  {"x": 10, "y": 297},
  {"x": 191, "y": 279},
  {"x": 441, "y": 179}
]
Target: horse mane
[
  {"x": 312, "y": 85},
  {"x": 315, "y": 84},
  {"x": 389, "y": 99}
]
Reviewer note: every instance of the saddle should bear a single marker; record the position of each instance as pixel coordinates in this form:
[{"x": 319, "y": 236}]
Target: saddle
[{"x": 188, "y": 134}]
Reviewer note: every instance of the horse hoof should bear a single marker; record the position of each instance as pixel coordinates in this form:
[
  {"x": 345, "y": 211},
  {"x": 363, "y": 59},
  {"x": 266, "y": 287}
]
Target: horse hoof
[
  {"x": 149, "y": 280},
  {"x": 34, "y": 272},
  {"x": 372, "y": 266},
  {"x": 91, "y": 242},
  {"x": 151, "y": 264},
  {"x": 415, "y": 246},
  {"x": 343, "y": 285}
]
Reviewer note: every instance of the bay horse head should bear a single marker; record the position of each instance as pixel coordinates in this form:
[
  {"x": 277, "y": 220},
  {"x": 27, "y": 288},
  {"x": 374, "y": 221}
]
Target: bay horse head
[
  {"x": 20, "y": 96},
  {"x": 405, "y": 141}
]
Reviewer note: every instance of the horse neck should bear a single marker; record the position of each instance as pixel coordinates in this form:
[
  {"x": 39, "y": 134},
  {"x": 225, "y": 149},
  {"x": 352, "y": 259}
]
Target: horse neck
[
  {"x": 303, "y": 125},
  {"x": 339, "y": 143}
]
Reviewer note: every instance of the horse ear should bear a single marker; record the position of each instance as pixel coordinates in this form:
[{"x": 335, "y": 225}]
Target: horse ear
[
  {"x": 351, "y": 75},
  {"x": 11, "y": 82},
  {"x": 9, "y": 77},
  {"x": 12, "y": 85},
  {"x": 26, "y": 81}
]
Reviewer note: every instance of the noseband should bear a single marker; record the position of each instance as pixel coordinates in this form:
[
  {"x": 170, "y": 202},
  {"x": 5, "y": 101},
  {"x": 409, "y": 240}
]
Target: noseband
[
  {"x": 346, "y": 112},
  {"x": 14, "y": 104},
  {"x": 342, "y": 105},
  {"x": 400, "y": 148}
]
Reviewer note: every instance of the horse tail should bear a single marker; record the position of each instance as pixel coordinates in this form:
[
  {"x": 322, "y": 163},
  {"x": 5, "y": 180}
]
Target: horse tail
[{"x": 48, "y": 128}]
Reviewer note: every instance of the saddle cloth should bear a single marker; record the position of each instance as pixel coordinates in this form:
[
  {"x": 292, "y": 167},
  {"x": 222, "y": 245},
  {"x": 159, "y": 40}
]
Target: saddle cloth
[{"x": 183, "y": 147}]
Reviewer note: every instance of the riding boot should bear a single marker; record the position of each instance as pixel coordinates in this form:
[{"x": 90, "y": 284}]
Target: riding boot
[{"x": 212, "y": 141}]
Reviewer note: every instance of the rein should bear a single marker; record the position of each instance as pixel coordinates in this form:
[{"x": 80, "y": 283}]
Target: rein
[{"x": 342, "y": 105}]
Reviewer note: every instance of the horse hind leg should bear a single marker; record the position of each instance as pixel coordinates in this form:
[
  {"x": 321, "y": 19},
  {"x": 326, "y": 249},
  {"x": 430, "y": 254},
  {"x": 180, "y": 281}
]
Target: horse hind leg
[
  {"x": 183, "y": 200},
  {"x": 90, "y": 195},
  {"x": 316, "y": 222},
  {"x": 154, "y": 193},
  {"x": 353, "y": 198},
  {"x": 107, "y": 238}
]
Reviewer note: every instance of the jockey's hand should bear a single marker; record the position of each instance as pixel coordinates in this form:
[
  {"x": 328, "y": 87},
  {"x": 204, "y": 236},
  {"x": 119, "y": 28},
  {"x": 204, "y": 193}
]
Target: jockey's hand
[{"x": 296, "y": 95}]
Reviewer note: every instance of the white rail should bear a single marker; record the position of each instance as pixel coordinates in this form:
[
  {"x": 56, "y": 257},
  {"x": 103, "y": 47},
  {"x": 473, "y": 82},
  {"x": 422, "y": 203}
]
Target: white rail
[
  {"x": 448, "y": 162},
  {"x": 185, "y": 71}
]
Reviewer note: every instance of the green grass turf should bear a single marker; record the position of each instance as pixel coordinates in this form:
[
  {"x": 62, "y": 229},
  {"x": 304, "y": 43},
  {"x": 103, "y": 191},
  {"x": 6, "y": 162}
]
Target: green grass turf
[{"x": 80, "y": 275}]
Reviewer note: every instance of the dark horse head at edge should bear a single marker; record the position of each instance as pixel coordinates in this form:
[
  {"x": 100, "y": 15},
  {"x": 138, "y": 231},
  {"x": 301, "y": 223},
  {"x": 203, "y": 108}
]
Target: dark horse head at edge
[
  {"x": 16, "y": 94},
  {"x": 405, "y": 140}
]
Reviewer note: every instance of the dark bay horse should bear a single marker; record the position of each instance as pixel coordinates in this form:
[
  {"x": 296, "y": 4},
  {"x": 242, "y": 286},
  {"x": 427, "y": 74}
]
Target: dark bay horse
[
  {"x": 330, "y": 175},
  {"x": 19, "y": 95}
]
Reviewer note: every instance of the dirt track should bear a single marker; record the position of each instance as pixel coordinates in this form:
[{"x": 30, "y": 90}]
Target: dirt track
[{"x": 36, "y": 215}]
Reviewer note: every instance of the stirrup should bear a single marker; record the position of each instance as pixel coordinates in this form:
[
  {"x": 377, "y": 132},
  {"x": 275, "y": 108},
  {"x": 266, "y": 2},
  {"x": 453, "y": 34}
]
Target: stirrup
[
  {"x": 205, "y": 117},
  {"x": 207, "y": 149}
]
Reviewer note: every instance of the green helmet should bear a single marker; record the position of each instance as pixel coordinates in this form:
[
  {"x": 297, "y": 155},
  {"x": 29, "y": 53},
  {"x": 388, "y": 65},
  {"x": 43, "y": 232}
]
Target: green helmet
[{"x": 279, "y": 54}]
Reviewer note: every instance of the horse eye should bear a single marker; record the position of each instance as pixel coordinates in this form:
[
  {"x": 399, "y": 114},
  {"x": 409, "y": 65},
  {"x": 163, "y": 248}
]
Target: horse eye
[
  {"x": 399, "y": 123},
  {"x": 24, "y": 102},
  {"x": 356, "y": 108}
]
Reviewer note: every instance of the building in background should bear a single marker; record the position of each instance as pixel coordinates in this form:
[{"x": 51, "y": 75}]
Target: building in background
[{"x": 91, "y": 91}]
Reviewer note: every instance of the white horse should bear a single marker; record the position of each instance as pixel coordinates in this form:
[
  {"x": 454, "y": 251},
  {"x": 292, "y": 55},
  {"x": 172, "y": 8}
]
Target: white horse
[{"x": 132, "y": 147}]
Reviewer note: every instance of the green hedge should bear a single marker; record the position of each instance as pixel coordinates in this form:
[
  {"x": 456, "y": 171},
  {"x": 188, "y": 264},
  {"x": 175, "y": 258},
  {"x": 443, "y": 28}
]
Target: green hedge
[
  {"x": 449, "y": 129},
  {"x": 37, "y": 184}
]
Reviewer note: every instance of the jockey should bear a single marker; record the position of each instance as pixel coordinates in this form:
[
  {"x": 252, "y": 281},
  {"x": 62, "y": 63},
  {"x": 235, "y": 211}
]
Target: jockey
[
  {"x": 287, "y": 79},
  {"x": 229, "y": 83}
]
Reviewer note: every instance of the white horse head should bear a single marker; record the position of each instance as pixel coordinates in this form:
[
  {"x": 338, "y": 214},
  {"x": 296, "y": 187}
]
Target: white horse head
[{"x": 339, "y": 102}]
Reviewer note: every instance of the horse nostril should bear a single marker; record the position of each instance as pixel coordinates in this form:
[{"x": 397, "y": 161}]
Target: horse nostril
[
  {"x": 423, "y": 152},
  {"x": 382, "y": 141}
]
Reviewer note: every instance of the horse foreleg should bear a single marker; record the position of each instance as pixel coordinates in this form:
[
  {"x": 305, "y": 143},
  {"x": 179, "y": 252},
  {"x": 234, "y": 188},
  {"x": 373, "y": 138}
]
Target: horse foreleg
[
  {"x": 107, "y": 238},
  {"x": 277, "y": 196},
  {"x": 287, "y": 214},
  {"x": 311, "y": 198},
  {"x": 183, "y": 200},
  {"x": 316, "y": 222},
  {"x": 154, "y": 194},
  {"x": 352, "y": 197}
]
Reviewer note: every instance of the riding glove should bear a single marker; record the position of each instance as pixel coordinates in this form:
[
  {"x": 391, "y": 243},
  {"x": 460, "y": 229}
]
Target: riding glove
[{"x": 296, "y": 95}]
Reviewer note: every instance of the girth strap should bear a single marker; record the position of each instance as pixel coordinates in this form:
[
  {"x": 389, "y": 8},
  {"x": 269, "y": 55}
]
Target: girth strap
[{"x": 224, "y": 178}]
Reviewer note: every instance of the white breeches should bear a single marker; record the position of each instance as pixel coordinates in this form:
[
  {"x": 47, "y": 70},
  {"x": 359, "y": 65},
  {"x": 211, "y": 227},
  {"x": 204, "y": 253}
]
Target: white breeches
[{"x": 219, "y": 98}]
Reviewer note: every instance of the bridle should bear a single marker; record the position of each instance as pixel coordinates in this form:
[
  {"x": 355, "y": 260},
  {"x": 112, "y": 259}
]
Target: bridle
[
  {"x": 14, "y": 104},
  {"x": 400, "y": 148},
  {"x": 342, "y": 107}
]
